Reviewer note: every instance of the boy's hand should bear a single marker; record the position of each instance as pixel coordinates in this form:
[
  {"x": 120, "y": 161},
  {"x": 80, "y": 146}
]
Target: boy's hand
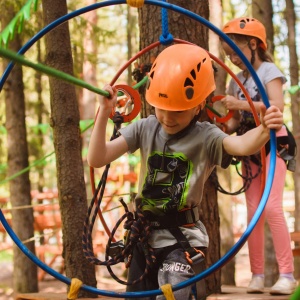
[
  {"x": 108, "y": 103},
  {"x": 271, "y": 118}
]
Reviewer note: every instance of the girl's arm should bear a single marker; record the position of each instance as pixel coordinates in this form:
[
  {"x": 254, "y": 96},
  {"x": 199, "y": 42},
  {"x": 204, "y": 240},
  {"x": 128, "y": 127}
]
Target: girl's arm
[
  {"x": 274, "y": 92},
  {"x": 253, "y": 140},
  {"x": 102, "y": 152}
]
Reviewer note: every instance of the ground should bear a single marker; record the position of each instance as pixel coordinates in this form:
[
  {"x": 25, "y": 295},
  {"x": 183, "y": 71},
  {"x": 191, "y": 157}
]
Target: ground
[{"x": 50, "y": 285}]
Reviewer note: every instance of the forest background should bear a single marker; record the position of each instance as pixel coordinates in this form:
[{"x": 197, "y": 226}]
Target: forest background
[{"x": 101, "y": 42}]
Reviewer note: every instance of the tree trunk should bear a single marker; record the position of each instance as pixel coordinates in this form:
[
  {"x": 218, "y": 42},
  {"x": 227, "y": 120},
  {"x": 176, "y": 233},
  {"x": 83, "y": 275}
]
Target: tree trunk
[
  {"x": 295, "y": 111},
  {"x": 40, "y": 109},
  {"x": 66, "y": 132},
  {"x": 263, "y": 11},
  {"x": 224, "y": 176},
  {"x": 88, "y": 99},
  {"x": 25, "y": 271},
  {"x": 182, "y": 27}
]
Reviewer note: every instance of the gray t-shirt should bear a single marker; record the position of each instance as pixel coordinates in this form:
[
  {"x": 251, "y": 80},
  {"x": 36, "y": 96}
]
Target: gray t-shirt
[
  {"x": 174, "y": 170},
  {"x": 266, "y": 72}
]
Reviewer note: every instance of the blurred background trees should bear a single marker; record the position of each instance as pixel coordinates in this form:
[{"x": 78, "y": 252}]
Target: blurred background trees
[{"x": 48, "y": 117}]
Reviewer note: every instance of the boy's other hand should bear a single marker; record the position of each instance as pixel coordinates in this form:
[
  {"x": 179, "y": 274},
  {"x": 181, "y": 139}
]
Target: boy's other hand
[{"x": 271, "y": 118}]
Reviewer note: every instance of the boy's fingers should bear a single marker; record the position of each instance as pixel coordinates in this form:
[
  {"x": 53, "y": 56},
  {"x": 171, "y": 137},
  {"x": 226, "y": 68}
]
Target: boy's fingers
[{"x": 263, "y": 110}]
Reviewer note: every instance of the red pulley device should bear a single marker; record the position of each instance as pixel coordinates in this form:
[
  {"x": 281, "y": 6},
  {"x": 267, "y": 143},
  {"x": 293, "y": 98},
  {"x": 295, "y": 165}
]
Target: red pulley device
[{"x": 129, "y": 104}]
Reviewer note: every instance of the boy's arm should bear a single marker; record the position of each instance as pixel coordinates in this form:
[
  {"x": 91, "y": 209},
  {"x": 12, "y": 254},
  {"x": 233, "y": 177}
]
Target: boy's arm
[
  {"x": 253, "y": 140},
  {"x": 102, "y": 152}
]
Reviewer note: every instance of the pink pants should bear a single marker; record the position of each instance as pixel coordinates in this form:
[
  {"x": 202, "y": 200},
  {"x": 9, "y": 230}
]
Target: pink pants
[{"x": 274, "y": 215}]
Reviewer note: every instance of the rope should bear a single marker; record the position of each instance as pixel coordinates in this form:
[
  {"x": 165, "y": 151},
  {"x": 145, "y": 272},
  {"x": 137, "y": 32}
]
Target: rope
[
  {"x": 139, "y": 227},
  {"x": 139, "y": 232},
  {"x": 34, "y": 238},
  {"x": 167, "y": 291},
  {"x": 135, "y": 3},
  {"x": 50, "y": 71},
  {"x": 74, "y": 288},
  {"x": 166, "y": 38},
  {"x": 17, "y": 58},
  {"x": 247, "y": 179},
  {"x": 36, "y": 162}
]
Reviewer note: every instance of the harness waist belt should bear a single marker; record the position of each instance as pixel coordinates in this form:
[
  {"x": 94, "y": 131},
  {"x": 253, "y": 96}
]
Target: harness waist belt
[{"x": 174, "y": 219}]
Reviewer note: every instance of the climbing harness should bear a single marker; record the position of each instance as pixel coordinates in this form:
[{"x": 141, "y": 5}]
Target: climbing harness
[{"x": 286, "y": 149}]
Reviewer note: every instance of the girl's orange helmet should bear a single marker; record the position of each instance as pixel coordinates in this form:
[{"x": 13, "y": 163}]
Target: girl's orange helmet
[
  {"x": 247, "y": 26},
  {"x": 181, "y": 77}
]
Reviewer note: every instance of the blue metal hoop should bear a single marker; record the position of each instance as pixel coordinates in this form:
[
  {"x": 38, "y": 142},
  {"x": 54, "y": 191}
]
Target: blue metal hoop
[{"x": 223, "y": 260}]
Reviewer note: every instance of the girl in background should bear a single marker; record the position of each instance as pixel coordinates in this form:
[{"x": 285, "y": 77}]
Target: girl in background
[{"x": 250, "y": 36}]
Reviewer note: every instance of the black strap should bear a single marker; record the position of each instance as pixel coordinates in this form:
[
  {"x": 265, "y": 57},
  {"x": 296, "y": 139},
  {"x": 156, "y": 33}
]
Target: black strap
[
  {"x": 174, "y": 219},
  {"x": 193, "y": 255},
  {"x": 181, "y": 238},
  {"x": 286, "y": 153}
]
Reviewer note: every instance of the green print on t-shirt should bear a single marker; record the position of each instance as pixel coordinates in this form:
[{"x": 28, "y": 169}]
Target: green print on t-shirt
[{"x": 166, "y": 182}]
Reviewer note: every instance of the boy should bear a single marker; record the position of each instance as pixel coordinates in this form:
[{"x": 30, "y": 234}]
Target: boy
[{"x": 178, "y": 153}]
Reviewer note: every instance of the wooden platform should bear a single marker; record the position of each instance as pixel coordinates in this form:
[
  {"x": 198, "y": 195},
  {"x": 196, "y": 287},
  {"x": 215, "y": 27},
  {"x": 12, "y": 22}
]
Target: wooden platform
[
  {"x": 54, "y": 296},
  {"x": 228, "y": 293},
  {"x": 239, "y": 293}
]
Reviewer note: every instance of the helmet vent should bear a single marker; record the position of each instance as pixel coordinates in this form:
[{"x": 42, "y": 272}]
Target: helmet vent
[
  {"x": 242, "y": 24},
  {"x": 188, "y": 82},
  {"x": 193, "y": 73},
  {"x": 198, "y": 67},
  {"x": 189, "y": 93}
]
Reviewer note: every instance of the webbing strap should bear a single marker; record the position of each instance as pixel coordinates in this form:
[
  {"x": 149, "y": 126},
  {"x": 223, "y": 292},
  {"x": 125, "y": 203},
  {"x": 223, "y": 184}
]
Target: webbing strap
[
  {"x": 135, "y": 3},
  {"x": 167, "y": 291},
  {"x": 179, "y": 218},
  {"x": 74, "y": 288},
  {"x": 181, "y": 238},
  {"x": 193, "y": 255}
]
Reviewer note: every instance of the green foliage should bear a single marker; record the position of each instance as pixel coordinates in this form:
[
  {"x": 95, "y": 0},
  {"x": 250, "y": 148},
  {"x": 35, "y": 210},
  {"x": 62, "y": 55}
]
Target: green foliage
[
  {"x": 294, "y": 89},
  {"x": 17, "y": 23},
  {"x": 6, "y": 256}
]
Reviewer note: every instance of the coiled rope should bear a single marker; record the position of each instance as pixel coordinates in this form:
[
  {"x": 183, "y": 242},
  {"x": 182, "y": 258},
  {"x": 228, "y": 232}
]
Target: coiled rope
[{"x": 138, "y": 226}]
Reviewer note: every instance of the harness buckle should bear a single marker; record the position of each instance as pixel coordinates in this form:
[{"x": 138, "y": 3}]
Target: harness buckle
[
  {"x": 196, "y": 258},
  {"x": 115, "y": 249}
]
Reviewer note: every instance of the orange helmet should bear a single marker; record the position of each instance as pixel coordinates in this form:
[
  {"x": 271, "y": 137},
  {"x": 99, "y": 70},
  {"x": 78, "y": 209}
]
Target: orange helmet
[
  {"x": 247, "y": 26},
  {"x": 181, "y": 77}
]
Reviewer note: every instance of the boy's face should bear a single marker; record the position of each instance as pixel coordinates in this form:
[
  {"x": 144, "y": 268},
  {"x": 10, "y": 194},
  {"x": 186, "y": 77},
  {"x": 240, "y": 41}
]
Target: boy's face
[{"x": 174, "y": 121}]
